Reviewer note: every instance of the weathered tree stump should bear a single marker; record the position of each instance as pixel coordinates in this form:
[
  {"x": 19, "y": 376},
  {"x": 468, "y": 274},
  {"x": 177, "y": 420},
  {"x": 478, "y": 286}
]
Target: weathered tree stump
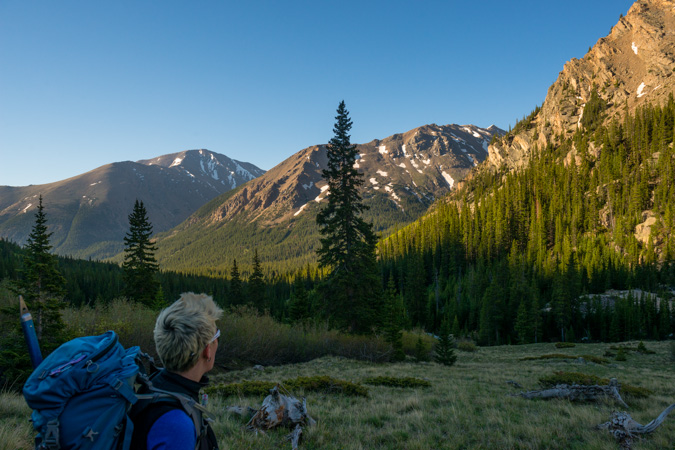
[
  {"x": 625, "y": 429},
  {"x": 277, "y": 410},
  {"x": 576, "y": 392},
  {"x": 280, "y": 410}
]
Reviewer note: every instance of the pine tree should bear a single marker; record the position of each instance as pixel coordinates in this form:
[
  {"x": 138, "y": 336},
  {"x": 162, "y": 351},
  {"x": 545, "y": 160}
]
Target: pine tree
[
  {"x": 42, "y": 285},
  {"x": 352, "y": 288},
  {"x": 256, "y": 285},
  {"x": 445, "y": 347},
  {"x": 393, "y": 318},
  {"x": 421, "y": 350},
  {"x": 236, "y": 288},
  {"x": 298, "y": 309},
  {"x": 140, "y": 266}
]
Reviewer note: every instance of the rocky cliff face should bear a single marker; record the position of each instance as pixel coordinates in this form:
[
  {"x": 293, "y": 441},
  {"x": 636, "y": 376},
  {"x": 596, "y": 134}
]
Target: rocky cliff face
[
  {"x": 633, "y": 65},
  {"x": 404, "y": 171}
]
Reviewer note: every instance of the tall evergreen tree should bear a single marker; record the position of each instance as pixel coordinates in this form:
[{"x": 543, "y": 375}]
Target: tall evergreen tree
[
  {"x": 140, "y": 266},
  {"x": 41, "y": 284},
  {"x": 393, "y": 321},
  {"x": 445, "y": 347},
  {"x": 298, "y": 309},
  {"x": 236, "y": 288},
  {"x": 352, "y": 288},
  {"x": 256, "y": 285}
]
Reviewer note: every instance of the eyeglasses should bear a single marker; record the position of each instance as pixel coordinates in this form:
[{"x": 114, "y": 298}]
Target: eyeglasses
[{"x": 215, "y": 337}]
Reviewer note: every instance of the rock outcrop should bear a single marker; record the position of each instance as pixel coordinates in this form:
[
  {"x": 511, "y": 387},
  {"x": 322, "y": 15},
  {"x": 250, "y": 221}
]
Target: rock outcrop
[{"x": 633, "y": 65}]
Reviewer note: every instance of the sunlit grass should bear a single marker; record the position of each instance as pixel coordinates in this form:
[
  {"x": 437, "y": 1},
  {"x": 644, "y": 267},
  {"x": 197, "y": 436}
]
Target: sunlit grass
[{"x": 467, "y": 406}]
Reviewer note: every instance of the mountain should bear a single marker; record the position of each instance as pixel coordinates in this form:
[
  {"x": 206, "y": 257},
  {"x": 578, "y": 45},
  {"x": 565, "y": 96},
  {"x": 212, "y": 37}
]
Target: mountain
[
  {"x": 88, "y": 213},
  {"x": 274, "y": 213},
  {"x": 579, "y": 198},
  {"x": 632, "y": 66}
]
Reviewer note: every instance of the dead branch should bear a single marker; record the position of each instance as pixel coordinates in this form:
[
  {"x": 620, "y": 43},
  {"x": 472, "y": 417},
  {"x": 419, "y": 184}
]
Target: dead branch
[
  {"x": 245, "y": 412},
  {"x": 294, "y": 437},
  {"x": 625, "y": 429},
  {"x": 280, "y": 410},
  {"x": 515, "y": 384},
  {"x": 577, "y": 392}
]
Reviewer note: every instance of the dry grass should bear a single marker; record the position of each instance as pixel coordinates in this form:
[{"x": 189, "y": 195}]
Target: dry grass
[{"x": 468, "y": 405}]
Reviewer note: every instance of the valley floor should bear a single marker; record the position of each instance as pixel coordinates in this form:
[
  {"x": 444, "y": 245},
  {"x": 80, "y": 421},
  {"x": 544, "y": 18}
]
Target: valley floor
[{"x": 468, "y": 406}]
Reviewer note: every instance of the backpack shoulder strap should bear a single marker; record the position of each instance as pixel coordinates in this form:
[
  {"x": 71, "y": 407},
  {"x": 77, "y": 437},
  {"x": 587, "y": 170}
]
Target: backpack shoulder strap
[{"x": 200, "y": 416}]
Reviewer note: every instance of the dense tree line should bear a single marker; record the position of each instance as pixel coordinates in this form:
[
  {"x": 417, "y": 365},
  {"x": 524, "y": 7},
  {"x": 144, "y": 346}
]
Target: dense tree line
[{"x": 510, "y": 255}]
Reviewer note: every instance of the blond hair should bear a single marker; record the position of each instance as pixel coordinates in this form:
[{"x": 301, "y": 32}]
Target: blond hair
[{"x": 184, "y": 329}]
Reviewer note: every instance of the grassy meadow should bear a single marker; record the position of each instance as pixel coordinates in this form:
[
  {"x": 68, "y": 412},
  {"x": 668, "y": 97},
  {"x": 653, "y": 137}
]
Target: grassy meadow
[{"x": 467, "y": 406}]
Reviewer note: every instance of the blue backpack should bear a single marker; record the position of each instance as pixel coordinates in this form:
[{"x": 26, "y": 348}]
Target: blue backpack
[{"x": 82, "y": 394}]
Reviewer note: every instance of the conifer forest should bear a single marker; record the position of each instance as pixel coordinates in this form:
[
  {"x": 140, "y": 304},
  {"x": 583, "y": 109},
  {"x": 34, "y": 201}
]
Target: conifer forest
[{"x": 510, "y": 257}]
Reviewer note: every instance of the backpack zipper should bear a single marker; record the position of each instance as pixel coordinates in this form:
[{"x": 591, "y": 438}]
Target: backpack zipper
[{"x": 92, "y": 361}]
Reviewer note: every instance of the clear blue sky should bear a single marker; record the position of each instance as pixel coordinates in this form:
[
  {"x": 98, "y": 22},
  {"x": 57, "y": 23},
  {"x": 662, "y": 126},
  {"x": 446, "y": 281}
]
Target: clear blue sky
[{"x": 86, "y": 83}]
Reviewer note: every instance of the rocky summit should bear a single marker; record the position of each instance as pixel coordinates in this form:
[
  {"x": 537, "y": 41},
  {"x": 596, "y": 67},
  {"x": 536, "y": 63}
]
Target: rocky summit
[
  {"x": 403, "y": 175},
  {"x": 633, "y": 65}
]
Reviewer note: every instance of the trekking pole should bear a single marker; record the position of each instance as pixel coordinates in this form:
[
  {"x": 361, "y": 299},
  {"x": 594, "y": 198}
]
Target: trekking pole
[{"x": 29, "y": 334}]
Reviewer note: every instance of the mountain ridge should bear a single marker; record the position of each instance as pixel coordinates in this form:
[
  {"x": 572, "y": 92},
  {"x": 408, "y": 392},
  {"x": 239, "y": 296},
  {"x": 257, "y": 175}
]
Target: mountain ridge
[
  {"x": 403, "y": 174},
  {"x": 88, "y": 213}
]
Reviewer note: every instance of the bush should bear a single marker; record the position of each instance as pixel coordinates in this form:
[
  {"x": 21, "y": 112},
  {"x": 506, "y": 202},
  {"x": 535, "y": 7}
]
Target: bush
[
  {"x": 642, "y": 348},
  {"x": 323, "y": 384},
  {"x": 595, "y": 359},
  {"x": 400, "y": 382},
  {"x": 467, "y": 346},
  {"x": 548, "y": 356},
  {"x": 620, "y": 355},
  {"x": 583, "y": 379},
  {"x": 565, "y": 344},
  {"x": 421, "y": 350}
]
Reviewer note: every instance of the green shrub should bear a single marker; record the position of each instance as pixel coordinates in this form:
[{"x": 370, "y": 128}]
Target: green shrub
[
  {"x": 595, "y": 359},
  {"x": 620, "y": 354},
  {"x": 467, "y": 346},
  {"x": 421, "y": 350},
  {"x": 642, "y": 348},
  {"x": 583, "y": 379},
  {"x": 327, "y": 385},
  {"x": 323, "y": 384},
  {"x": 565, "y": 344},
  {"x": 548, "y": 356},
  {"x": 401, "y": 382},
  {"x": 244, "y": 389}
]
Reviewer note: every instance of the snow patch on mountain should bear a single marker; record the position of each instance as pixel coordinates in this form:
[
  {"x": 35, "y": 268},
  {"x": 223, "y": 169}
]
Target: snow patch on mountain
[
  {"x": 300, "y": 210},
  {"x": 176, "y": 161},
  {"x": 634, "y": 47},
  {"x": 384, "y": 174},
  {"x": 373, "y": 181},
  {"x": 383, "y": 149},
  {"x": 308, "y": 186},
  {"x": 448, "y": 179},
  {"x": 640, "y": 90}
]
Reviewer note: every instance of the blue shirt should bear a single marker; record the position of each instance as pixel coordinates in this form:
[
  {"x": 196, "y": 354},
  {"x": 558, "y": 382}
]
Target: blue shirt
[{"x": 173, "y": 431}]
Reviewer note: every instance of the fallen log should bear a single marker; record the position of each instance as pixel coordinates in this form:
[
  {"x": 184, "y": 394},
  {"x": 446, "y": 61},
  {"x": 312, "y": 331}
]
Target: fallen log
[
  {"x": 577, "y": 392},
  {"x": 280, "y": 410},
  {"x": 624, "y": 428}
]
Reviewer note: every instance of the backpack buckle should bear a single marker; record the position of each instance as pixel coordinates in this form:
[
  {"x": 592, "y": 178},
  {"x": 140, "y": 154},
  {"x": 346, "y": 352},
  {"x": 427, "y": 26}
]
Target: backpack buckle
[{"x": 51, "y": 440}]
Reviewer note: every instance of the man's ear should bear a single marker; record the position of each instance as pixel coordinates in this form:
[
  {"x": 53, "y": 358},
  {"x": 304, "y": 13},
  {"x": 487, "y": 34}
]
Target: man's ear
[{"x": 207, "y": 353}]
